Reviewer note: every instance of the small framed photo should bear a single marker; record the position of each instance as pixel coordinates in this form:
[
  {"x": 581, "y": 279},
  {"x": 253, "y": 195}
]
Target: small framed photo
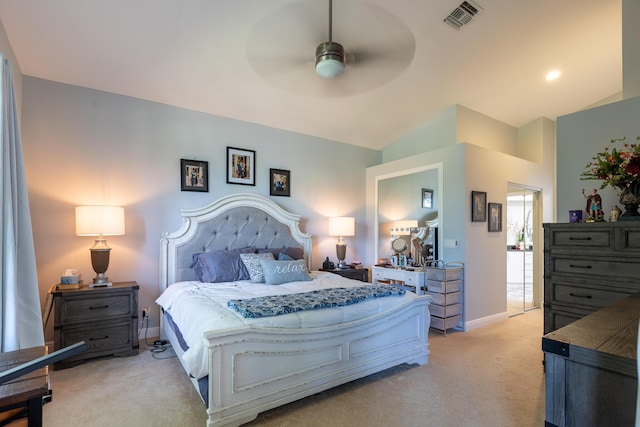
[
  {"x": 495, "y": 216},
  {"x": 279, "y": 182},
  {"x": 241, "y": 166},
  {"x": 194, "y": 175},
  {"x": 478, "y": 206},
  {"x": 427, "y": 198}
]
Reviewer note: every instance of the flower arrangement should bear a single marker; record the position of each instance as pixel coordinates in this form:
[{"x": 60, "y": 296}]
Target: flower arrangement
[{"x": 615, "y": 167}]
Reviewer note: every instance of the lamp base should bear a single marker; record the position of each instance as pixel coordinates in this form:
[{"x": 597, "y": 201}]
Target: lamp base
[
  {"x": 100, "y": 263},
  {"x": 341, "y": 252}
]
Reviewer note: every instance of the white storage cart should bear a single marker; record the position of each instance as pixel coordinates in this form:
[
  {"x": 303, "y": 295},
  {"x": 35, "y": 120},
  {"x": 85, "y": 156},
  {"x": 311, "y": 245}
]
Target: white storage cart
[{"x": 444, "y": 282}]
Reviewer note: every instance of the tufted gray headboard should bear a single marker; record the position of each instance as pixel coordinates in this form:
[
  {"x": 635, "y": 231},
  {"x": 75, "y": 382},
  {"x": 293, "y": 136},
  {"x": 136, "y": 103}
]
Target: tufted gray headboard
[{"x": 232, "y": 222}]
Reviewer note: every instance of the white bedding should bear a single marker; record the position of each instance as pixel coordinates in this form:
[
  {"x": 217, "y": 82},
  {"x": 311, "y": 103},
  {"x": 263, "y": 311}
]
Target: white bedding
[{"x": 198, "y": 308}]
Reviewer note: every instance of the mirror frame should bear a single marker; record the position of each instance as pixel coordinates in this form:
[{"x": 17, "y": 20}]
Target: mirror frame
[{"x": 439, "y": 199}]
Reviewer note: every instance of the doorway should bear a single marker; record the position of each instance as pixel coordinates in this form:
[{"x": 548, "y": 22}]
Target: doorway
[{"x": 522, "y": 219}]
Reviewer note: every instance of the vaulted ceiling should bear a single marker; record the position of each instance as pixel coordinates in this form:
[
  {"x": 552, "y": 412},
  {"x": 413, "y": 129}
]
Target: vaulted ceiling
[{"x": 253, "y": 60}]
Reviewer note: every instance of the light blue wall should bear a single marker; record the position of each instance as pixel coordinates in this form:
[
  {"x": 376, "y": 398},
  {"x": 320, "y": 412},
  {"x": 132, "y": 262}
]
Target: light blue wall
[
  {"x": 580, "y": 136},
  {"x": 89, "y": 147}
]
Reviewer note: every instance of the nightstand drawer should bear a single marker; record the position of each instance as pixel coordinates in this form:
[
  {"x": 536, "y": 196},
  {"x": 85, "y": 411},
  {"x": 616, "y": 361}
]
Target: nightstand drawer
[
  {"x": 100, "y": 340},
  {"x": 90, "y": 307}
]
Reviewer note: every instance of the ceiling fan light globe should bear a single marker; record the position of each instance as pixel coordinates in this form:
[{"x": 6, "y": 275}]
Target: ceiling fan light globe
[
  {"x": 329, "y": 68},
  {"x": 329, "y": 60}
]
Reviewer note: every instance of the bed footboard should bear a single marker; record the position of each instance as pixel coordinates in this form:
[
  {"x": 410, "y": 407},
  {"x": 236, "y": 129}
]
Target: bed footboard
[{"x": 255, "y": 370}]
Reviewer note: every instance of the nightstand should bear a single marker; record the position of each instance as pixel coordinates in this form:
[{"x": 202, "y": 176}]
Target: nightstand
[
  {"x": 361, "y": 274},
  {"x": 106, "y": 319}
]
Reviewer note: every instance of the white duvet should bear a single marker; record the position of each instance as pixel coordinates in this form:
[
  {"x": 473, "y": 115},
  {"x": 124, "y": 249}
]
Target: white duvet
[{"x": 198, "y": 308}]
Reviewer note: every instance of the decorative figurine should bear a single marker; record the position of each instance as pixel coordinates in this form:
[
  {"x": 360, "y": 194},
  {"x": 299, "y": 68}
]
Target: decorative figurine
[{"x": 594, "y": 206}]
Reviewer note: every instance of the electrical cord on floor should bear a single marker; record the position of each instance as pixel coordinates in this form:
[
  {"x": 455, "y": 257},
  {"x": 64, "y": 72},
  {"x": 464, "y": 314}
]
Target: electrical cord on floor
[{"x": 158, "y": 346}]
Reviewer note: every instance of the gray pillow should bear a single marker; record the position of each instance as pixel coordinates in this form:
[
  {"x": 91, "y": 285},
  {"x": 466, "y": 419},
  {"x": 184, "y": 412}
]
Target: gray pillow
[
  {"x": 294, "y": 253},
  {"x": 252, "y": 262},
  {"x": 278, "y": 272},
  {"x": 221, "y": 266}
]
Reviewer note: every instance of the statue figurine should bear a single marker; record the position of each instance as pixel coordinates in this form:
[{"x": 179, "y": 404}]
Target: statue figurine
[{"x": 594, "y": 206}]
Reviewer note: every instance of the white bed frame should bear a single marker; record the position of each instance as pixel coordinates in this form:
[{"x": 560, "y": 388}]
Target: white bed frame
[{"x": 252, "y": 370}]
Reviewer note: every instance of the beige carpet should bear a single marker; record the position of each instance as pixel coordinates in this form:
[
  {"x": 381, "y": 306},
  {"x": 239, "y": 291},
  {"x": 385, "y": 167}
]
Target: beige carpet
[{"x": 491, "y": 376}]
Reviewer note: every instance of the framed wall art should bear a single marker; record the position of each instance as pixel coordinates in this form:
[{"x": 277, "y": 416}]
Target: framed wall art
[
  {"x": 478, "y": 206},
  {"x": 279, "y": 182},
  {"x": 241, "y": 166},
  {"x": 427, "y": 198},
  {"x": 495, "y": 216},
  {"x": 194, "y": 175}
]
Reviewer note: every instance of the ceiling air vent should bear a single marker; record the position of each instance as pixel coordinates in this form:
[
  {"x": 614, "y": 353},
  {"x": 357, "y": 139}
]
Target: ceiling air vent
[{"x": 463, "y": 14}]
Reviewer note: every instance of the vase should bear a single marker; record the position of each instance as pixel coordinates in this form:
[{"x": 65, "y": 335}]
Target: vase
[{"x": 630, "y": 199}]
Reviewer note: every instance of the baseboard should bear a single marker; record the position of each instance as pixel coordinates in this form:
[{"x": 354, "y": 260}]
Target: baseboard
[{"x": 485, "y": 321}]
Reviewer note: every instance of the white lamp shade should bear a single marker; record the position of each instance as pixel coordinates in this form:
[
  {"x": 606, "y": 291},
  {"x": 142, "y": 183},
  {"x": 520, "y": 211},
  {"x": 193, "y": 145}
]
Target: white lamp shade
[
  {"x": 97, "y": 220},
  {"x": 342, "y": 226}
]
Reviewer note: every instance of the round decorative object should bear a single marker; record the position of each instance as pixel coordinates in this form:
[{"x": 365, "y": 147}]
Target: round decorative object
[{"x": 399, "y": 245}]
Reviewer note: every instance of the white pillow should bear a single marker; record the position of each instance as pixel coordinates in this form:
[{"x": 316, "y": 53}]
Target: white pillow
[{"x": 252, "y": 262}]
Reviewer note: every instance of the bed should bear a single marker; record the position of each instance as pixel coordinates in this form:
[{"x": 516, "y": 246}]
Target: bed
[{"x": 248, "y": 367}]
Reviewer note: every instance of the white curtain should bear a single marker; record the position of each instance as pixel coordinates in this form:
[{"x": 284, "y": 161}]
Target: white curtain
[{"x": 21, "y": 320}]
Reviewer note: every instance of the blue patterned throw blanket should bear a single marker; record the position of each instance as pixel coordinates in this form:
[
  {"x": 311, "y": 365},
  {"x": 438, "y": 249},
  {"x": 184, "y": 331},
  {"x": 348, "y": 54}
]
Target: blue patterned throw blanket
[{"x": 274, "y": 305}]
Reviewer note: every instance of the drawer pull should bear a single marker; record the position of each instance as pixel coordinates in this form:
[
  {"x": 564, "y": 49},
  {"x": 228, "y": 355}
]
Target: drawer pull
[
  {"x": 579, "y": 238},
  {"x": 579, "y": 266},
  {"x": 100, "y": 307},
  {"x": 99, "y": 339},
  {"x": 580, "y": 296}
]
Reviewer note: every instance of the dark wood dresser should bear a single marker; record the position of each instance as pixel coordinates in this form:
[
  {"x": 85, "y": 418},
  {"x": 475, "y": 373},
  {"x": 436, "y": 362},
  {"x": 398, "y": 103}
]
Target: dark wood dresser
[
  {"x": 105, "y": 318},
  {"x": 588, "y": 266},
  {"x": 591, "y": 368}
]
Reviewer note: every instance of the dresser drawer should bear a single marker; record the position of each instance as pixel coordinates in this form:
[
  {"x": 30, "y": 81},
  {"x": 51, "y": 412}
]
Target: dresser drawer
[
  {"x": 584, "y": 238},
  {"x": 443, "y": 287},
  {"x": 445, "y": 311},
  {"x": 445, "y": 299},
  {"x": 593, "y": 267},
  {"x": 577, "y": 295},
  {"x": 100, "y": 340},
  {"x": 91, "y": 307}
]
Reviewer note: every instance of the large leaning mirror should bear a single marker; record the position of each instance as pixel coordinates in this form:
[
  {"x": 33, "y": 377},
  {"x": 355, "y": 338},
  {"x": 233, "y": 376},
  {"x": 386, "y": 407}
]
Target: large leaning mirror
[{"x": 406, "y": 223}]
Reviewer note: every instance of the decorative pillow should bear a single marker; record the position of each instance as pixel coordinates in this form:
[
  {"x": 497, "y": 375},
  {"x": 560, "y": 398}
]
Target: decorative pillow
[
  {"x": 278, "y": 272},
  {"x": 252, "y": 262},
  {"x": 221, "y": 266},
  {"x": 284, "y": 257},
  {"x": 294, "y": 253}
]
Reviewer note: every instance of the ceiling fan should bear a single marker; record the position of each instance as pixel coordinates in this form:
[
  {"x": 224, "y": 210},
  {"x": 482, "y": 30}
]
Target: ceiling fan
[
  {"x": 280, "y": 47},
  {"x": 330, "y": 58}
]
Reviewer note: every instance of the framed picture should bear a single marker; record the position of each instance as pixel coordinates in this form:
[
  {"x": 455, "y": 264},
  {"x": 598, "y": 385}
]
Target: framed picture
[
  {"x": 427, "y": 198},
  {"x": 241, "y": 166},
  {"x": 194, "y": 175},
  {"x": 279, "y": 182},
  {"x": 495, "y": 216},
  {"x": 478, "y": 206}
]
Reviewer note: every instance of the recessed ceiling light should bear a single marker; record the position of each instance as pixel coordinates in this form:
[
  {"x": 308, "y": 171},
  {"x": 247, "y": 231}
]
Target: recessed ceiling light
[{"x": 552, "y": 75}]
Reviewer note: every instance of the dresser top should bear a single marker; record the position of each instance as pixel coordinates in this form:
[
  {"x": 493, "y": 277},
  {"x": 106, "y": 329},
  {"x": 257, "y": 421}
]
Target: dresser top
[{"x": 611, "y": 331}]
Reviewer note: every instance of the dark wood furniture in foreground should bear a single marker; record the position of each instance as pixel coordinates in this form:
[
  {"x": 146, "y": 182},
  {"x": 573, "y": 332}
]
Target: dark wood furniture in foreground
[
  {"x": 361, "y": 274},
  {"x": 23, "y": 395},
  {"x": 591, "y": 368},
  {"x": 588, "y": 266},
  {"x": 105, "y": 318}
]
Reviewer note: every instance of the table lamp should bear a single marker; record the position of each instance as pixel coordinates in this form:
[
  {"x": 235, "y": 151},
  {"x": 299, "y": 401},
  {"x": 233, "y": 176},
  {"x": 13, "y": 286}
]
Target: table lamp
[
  {"x": 342, "y": 226},
  {"x": 100, "y": 221}
]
